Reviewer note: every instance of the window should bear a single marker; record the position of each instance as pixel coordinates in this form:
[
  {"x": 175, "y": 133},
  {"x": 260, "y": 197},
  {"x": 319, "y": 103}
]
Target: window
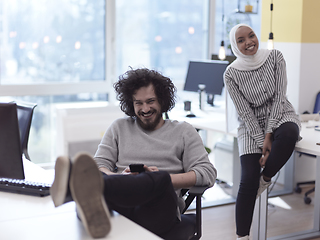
[
  {"x": 52, "y": 52},
  {"x": 46, "y": 41},
  {"x": 162, "y": 35},
  {"x": 73, "y": 50}
]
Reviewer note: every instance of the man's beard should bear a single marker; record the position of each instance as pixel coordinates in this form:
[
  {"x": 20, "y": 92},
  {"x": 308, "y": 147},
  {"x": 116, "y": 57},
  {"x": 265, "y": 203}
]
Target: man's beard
[{"x": 150, "y": 126}]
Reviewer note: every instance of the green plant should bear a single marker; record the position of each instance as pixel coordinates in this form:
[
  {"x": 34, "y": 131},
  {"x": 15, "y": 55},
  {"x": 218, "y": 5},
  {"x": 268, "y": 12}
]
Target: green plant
[{"x": 208, "y": 150}]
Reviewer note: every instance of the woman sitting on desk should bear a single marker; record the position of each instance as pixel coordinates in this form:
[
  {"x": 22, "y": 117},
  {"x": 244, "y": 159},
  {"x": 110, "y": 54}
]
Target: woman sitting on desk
[{"x": 269, "y": 126}]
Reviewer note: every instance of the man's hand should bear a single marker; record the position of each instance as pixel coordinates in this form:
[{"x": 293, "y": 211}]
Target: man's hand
[
  {"x": 106, "y": 171},
  {"x": 146, "y": 168},
  {"x": 151, "y": 169}
]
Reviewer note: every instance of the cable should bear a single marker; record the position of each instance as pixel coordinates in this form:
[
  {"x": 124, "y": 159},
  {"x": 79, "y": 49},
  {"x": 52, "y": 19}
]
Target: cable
[{"x": 271, "y": 9}]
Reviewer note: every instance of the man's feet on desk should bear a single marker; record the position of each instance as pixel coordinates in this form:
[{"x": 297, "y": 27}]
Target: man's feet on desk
[{"x": 85, "y": 183}]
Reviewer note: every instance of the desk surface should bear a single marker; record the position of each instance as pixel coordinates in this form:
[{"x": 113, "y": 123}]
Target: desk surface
[
  {"x": 29, "y": 217},
  {"x": 209, "y": 119},
  {"x": 309, "y": 139}
]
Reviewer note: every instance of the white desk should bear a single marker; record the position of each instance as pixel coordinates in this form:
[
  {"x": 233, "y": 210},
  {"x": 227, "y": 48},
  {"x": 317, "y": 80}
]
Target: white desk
[
  {"x": 211, "y": 119},
  {"x": 307, "y": 145},
  {"x": 35, "y": 218}
]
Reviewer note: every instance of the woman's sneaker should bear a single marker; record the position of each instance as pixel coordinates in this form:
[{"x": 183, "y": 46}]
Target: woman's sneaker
[
  {"x": 243, "y": 238},
  {"x": 262, "y": 186}
]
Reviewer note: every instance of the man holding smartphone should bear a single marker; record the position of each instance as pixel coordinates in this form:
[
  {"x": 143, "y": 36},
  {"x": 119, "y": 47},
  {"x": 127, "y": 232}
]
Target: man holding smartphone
[{"x": 170, "y": 153}]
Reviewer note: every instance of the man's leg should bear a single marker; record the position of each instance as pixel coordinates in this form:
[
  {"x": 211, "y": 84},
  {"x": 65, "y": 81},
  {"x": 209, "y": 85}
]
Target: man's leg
[
  {"x": 147, "y": 199},
  {"x": 81, "y": 179}
]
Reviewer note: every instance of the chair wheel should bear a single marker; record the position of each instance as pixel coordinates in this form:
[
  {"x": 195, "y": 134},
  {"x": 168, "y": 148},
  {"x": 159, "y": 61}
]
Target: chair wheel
[
  {"x": 307, "y": 200},
  {"x": 297, "y": 189}
]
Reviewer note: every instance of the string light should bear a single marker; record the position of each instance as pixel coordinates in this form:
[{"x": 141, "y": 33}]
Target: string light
[
  {"x": 270, "y": 40},
  {"x": 222, "y": 50}
]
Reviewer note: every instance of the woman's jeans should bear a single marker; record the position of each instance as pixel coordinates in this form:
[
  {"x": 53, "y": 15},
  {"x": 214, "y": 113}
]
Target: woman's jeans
[{"x": 283, "y": 144}]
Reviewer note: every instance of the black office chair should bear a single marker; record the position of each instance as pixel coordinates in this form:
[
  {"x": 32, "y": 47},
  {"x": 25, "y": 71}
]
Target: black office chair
[
  {"x": 307, "y": 199},
  {"x": 25, "y": 113},
  {"x": 190, "y": 227}
]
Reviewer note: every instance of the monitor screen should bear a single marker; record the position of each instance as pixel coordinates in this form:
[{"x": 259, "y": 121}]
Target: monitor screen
[
  {"x": 11, "y": 165},
  {"x": 208, "y": 72}
]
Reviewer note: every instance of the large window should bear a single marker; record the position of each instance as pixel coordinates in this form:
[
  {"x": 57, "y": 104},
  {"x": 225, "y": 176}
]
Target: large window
[
  {"x": 52, "y": 52},
  {"x": 163, "y": 35},
  {"x": 73, "y": 50},
  {"x": 45, "y": 41}
]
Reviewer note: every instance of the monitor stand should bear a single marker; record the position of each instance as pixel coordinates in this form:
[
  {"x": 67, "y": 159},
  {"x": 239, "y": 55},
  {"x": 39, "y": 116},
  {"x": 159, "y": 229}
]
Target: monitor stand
[
  {"x": 210, "y": 99},
  {"x": 190, "y": 115}
]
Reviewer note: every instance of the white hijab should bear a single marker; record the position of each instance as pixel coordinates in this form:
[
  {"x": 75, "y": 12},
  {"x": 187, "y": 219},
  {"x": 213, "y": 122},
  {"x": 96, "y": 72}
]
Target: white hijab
[{"x": 246, "y": 62}]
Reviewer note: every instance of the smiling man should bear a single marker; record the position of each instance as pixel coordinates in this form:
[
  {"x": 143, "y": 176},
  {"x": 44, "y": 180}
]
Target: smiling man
[
  {"x": 147, "y": 108},
  {"x": 172, "y": 154}
]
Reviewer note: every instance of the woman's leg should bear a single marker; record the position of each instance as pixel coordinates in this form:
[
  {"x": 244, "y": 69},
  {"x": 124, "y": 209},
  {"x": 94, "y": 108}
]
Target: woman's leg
[
  {"x": 249, "y": 184},
  {"x": 148, "y": 199},
  {"x": 284, "y": 140},
  {"x": 283, "y": 144}
]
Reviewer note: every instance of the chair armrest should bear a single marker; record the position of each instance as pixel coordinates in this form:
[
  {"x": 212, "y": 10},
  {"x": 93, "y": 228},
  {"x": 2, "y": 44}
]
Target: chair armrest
[
  {"x": 194, "y": 192},
  {"x": 197, "y": 190}
]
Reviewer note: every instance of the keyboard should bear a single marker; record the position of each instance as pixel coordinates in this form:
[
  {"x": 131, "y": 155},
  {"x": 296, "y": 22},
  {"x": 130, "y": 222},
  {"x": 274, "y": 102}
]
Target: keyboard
[{"x": 24, "y": 187}]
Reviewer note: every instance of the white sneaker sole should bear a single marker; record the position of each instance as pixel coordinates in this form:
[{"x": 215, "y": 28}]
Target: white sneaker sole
[
  {"x": 86, "y": 186},
  {"x": 262, "y": 186},
  {"x": 59, "y": 188}
]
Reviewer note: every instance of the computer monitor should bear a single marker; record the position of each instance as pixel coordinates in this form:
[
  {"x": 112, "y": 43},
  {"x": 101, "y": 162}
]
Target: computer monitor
[
  {"x": 229, "y": 58},
  {"x": 207, "y": 72},
  {"x": 11, "y": 165},
  {"x": 25, "y": 113}
]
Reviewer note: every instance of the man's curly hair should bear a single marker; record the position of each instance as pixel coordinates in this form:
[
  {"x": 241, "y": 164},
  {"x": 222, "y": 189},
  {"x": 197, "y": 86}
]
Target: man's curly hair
[{"x": 133, "y": 80}]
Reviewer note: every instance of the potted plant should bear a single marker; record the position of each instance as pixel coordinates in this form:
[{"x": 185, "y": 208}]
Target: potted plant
[{"x": 248, "y": 7}]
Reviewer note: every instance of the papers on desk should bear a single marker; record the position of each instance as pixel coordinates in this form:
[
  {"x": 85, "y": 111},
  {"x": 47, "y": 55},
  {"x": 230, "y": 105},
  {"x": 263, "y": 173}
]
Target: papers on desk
[
  {"x": 309, "y": 117},
  {"x": 313, "y": 124}
]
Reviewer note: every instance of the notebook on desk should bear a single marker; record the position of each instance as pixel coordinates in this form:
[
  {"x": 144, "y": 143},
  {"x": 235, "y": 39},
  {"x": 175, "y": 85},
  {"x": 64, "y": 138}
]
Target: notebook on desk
[{"x": 12, "y": 175}]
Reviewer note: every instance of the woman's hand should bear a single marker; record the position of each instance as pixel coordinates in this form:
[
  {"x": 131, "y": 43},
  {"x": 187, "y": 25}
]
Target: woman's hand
[{"x": 267, "y": 143}]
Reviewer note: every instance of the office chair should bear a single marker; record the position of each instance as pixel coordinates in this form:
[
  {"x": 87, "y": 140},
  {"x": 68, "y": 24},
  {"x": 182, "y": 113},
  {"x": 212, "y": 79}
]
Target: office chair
[
  {"x": 307, "y": 200},
  {"x": 25, "y": 113},
  {"x": 190, "y": 227}
]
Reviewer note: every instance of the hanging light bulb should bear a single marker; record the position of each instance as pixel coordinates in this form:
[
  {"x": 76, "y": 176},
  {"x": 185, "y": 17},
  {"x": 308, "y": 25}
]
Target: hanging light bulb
[
  {"x": 270, "y": 40},
  {"x": 222, "y": 51}
]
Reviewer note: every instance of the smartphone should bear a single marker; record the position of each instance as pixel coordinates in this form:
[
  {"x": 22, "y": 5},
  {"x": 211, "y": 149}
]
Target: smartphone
[{"x": 136, "y": 167}]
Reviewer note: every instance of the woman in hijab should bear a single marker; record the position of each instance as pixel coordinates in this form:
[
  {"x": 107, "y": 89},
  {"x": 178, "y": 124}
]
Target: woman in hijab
[{"x": 268, "y": 124}]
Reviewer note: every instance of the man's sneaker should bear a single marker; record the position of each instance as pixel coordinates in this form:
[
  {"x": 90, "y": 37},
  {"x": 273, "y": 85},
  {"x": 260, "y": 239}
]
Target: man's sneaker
[
  {"x": 262, "y": 186},
  {"x": 86, "y": 185},
  {"x": 59, "y": 191}
]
